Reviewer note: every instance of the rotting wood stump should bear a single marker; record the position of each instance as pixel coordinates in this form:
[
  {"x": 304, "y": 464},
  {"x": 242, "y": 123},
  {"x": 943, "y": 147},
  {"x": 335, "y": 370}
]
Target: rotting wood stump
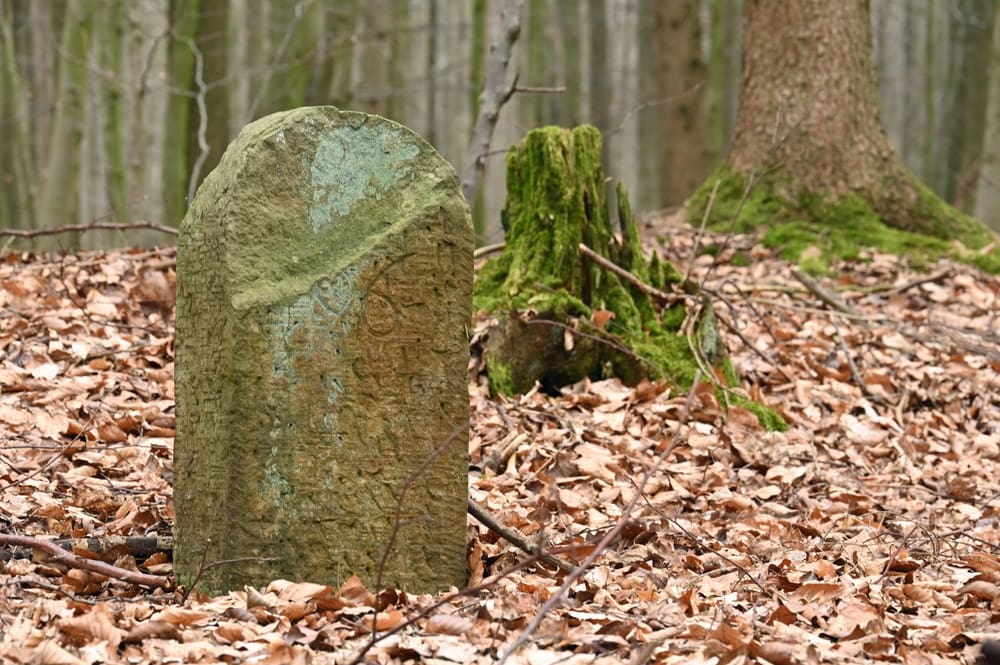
[{"x": 572, "y": 299}]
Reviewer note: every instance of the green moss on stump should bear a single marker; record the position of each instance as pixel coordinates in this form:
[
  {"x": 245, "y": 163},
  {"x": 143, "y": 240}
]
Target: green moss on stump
[{"x": 545, "y": 294}]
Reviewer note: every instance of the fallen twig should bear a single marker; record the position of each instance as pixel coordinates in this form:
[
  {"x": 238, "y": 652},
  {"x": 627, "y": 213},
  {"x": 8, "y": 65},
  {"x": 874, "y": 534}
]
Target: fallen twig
[
  {"x": 502, "y": 452},
  {"x": 443, "y": 600},
  {"x": 823, "y": 294},
  {"x": 488, "y": 249},
  {"x": 81, "y": 228},
  {"x": 650, "y": 291},
  {"x": 516, "y": 538},
  {"x": 59, "y": 555},
  {"x": 936, "y": 277},
  {"x": 855, "y": 374}
]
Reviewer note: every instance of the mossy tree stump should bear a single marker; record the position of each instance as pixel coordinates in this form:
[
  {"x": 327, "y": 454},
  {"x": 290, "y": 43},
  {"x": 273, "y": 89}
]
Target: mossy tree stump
[{"x": 552, "y": 304}]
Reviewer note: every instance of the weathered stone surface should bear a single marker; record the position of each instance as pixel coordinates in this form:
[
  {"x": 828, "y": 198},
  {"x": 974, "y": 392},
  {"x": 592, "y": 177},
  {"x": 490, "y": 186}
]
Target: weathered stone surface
[{"x": 324, "y": 279}]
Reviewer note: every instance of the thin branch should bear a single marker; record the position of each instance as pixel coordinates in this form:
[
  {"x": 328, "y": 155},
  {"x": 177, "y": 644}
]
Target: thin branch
[
  {"x": 701, "y": 229},
  {"x": 399, "y": 523},
  {"x": 515, "y": 538},
  {"x": 750, "y": 576},
  {"x": 81, "y": 228},
  {"x": 59, "y": 555},
  {"x": 203, "y": 148},
  {"x": 488, "y": 249},
  {"x": 444, "y": 600},
  {"x": 826, "y": 296},
  {"x": 855, "y": 374},
  {"x": 540, "y": 89},
  {"x": 496, "y": 93},
  {"x": 650, "y": 291}
]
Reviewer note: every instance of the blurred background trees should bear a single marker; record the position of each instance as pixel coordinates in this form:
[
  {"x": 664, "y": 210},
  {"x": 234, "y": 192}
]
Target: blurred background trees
[{"x": 114, "y": 110}]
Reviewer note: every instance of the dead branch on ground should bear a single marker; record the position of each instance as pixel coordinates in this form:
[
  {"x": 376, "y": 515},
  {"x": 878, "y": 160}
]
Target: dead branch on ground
[
  {"x": 515, "y": 538},
  {"x": 59, "y": 555}
]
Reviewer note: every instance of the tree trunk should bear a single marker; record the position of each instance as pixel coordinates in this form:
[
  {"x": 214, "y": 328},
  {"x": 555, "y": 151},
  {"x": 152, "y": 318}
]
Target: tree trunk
[
  {"x": 209, "y": 121},
  {"x": 965, "y": 106},
  {"x": 59, "y": 195},
  {"x": 808, "y": 108},
  {"x": 180, "y": 77},
  {"x": 988, "y": 194},
  {"x": 685, "y": 160}
]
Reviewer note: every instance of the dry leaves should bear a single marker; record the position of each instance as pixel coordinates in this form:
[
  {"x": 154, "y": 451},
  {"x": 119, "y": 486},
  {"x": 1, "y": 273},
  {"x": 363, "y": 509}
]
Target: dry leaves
[{"x": 867, "y": 531}]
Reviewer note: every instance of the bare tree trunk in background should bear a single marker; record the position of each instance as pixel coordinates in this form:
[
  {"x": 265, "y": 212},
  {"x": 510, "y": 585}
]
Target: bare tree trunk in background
[
  {"x": 399, "y": 61},
  {"x": 477, "y": 80},
  {"x": 726, "y": 45},
  {"x": 291, "y": 65},
  {"x": 451, "y": 62},
  {"x": 60, "y": 191},
  {"x": 180, "y": 79},
  {"x": 341, "y": 27},
  {"x": 432, "y": 46},
  {"x": 621, "y": 135},
  {"x": 43, "y": 52},
  {"x": 534, "y": 62},
  {"x": 570, "y": 27},
  {"x": 247, "y": 51},
  {"x": 685, "y": 147},
  {"x": 937, "y": 47},
  {"x": 211, "y": 46},
  {"x": 371, "y": 65},
  {"x": 965, "y": 105},
  {"x": 599, "y": 79},
  {"x": 416, "y": 111},
  {"x": 906, "y": 100},
  {"x": 893, "y": 55},
  {"x": 988, "y": 192},
  {"x": 18, "y": 169},
  {"x": 105, "y": 176},
  {"x": 147, "y": 65},
  {"x": 826, "y": 137},
  {"x": 647, "y": 194}
]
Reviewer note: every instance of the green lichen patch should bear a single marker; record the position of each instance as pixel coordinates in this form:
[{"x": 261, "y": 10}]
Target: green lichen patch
[
  {"x": 839, "y": 228},
  {"x": 546, "y": 296}
]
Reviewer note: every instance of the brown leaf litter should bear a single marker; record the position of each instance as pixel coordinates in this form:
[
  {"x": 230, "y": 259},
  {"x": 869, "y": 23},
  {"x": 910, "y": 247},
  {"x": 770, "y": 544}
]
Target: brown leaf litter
[{"x": 866, "y": 532}]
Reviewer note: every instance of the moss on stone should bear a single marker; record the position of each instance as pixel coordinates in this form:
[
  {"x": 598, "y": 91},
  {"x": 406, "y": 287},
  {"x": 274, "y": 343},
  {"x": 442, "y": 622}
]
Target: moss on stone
[{"x": 838, "y": 228}]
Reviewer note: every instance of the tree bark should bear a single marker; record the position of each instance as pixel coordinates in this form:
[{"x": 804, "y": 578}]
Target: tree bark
[
  {"x": 809, "y": 108},
  {"x": 180, "y": 77},
  {"x": 988, "y": 194},
  {"x": 685, "y": 148},
  {"x": 60, "y": 190},
  {"x": 965, "y": 106}
]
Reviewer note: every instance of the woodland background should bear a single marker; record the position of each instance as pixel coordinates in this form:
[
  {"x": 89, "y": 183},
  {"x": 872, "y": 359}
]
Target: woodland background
[{"x": 114, "y": 110}]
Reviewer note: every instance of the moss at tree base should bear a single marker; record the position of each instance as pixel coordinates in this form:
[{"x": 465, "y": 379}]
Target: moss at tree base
[{"x": 840, "y": 227}]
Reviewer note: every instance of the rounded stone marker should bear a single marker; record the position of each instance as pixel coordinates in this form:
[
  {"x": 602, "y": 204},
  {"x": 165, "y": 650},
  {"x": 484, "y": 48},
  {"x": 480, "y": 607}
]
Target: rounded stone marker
[{"x": 324, "y": 280}]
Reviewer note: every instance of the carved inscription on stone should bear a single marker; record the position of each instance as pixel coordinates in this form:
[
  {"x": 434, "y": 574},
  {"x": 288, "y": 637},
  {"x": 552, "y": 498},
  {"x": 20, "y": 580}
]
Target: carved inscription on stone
[{"x": 324, "y": 294}]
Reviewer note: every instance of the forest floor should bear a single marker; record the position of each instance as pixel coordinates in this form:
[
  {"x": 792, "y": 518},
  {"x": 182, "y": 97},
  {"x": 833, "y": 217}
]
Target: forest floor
[{"x": 866, "y": 532}]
